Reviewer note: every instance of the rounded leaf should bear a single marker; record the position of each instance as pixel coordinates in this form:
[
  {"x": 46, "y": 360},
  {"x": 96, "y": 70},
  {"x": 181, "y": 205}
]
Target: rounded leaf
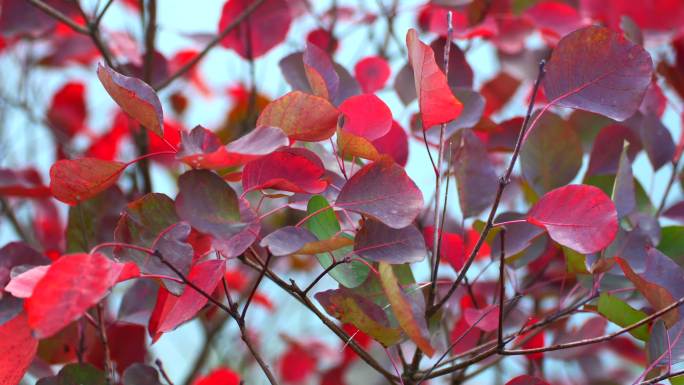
[
  {"x": 301, "y": 116},
  {"x": 73, "y": 181},
  {"x": 580, "y": 217}
]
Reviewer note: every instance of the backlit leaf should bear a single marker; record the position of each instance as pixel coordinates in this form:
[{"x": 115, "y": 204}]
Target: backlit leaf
[
  {"x": 73, "y": 181},
  {"x": 320, "y": 72},
  {"x": 17, "y": 350},
  {"x": 135, "y": 98},
  {"x": 366, "y": 116},
  {"x": 437, "y": 103},
  {"x": 581, "y": 217},
  {"x": 72, "y": 284},
  {"x": 301, "y": 116},
  {"x": 372, "y": 73},
  {"x": 290, "y": 169}
]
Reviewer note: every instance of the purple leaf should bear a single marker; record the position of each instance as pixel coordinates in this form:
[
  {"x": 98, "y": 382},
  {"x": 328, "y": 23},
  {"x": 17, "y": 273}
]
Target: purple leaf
[
  {"x": 475, "y": 175},
  {"x": 379, "y": 242}
]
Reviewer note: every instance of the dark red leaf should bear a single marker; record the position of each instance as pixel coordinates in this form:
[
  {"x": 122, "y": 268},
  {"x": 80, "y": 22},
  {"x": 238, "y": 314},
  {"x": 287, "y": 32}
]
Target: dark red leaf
[
  {"x": 437, "y": 103},
  {"x": 610, "y": 74},
  {"x": 297, "y": 364},
  {"x": 526, "y": 380},
  {"x": 366, "y": 116},
  {"x": 384, "y": 191},
  {"x": 372, "y": 73},
  {"x": 581, "y": 217},
  {"x": 475, "y": 174},
  {"x": 659, "y": 15},
  {"x": 72, "y": 284},
  {"x": 208, "y": 203},
  {"x": 379, "y": 242},
  {"x": 555, "y": 18},
  {"x": 22, "y": 183},
  {"x": 322, "y": 39},
  {"x": 320, "y": 72},
  {"x": 74, "y": 181},
  {"x": 291, "y": 169},
  {"x": 135, "y": 98},
  {"x": 16, "y": 254},
  {"x": 265, "y": 28},
  {"x": 498, "y": 91},
  {"x": 605, "y": 153},
  {"x": 460, "y": 73}
]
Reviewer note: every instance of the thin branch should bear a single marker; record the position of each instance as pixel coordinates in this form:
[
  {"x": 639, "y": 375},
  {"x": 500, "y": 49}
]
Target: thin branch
[
  {"x": 502, "y": 290},
  {"x": 245, "y": 337},
  {"x": 662, "y": 377},
  {"x": 293, "y": 290},
  {"x": 503, "y": 182},
  {"x": 55, "y": 13},
  {"x": 9, "y": 213},
  {"x": 590, "y": 341},
  {"x": 98, "y": 18},
  {"x": 188, "y": 66},
  {"x": 254, "y": 288},
  {"x": 668, "y": 188},
  {"x": 108, "y": 367},
  {"x": 160, "y": 366},
  {"x": 325, "y": 272}
]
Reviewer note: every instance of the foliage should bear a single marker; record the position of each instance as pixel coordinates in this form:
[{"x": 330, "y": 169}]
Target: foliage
[{"x": 315, "y": 186}]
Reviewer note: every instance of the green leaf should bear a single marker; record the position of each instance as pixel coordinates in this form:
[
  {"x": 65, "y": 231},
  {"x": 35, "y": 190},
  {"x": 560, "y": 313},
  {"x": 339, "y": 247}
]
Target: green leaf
[
  {"x": 76, "y": 374},
  {"x": 672, "y": 242},
  {"x": 621, "y": 314},
  {"x": 575, "y": 262},
  {"x": 92, "y": 222},
  {"x": 325, "y": 225}
]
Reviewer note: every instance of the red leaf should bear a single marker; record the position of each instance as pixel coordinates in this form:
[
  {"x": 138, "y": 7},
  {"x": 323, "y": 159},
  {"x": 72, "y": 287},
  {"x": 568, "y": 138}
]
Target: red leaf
[
  {"x": 394, "y": 143},
  {"x": 437, "y": 103},
  {"x": 372, "y": 73},
  {"x": 219, "y": 376},
  {"x": 301, "y": 116},
  {"x": 486, "y": 319},
  {"x": 72, "y": 284},
  {"x": 206, "y": 275},
  {"x": 322, "y": 39},
  {"x": 291, "y": 169},
  {"x": 581, "y": 217},
  {"x": 610, "y": 74},
  {"x": 73, "y": 181},
  {"x": 106, "y": 146},
  {"x": 22, "y": 285},
  {"x": 555, "y": 18},
  {"x": 453, "y": 249},
  {"x": 297, "y": 364},
  {"x": 135, "y": 98},
  {"x": 384, "y": 191},
  {"x": 498, "y": 91},
  {"x": 366, "y": 116},
  {"x": 659, "y": 15},
  {"x": 265, "y": 28},
  {"x": 17, "y": 349},
  {"x": 22, "y": 183},
  {"x": 67, "y": 112},
  {"x": 202, "y": 148}
]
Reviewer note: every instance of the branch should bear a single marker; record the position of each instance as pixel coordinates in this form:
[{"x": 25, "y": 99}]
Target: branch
[
  {"x": 325, "y": 272},
  {"x": 160, "y": 366},
  {"x": 254, "y": 288},
  {"x": 293, "y": 290},
  {"x": 245, "y": 337},
  {"x": 188, "y": 66},
  {"x": 9, "y": 213},
  {"x": 55, "y": 13},
  {"x": 665, "y": 376},
  {"x": 590, "y": 341},
  {"x": 503, "y": 182},
  {"x": 109, "y": 369},
  {"x": 668, "y": 188},
  {"x": 502, "y": 290}
]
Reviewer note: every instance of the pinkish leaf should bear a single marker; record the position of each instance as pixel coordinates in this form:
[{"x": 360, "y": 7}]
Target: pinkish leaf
[
  {"x": 581, "y": 217},
  {"x": 290, "y": 169},
  {"x": 366, "y": 116}
]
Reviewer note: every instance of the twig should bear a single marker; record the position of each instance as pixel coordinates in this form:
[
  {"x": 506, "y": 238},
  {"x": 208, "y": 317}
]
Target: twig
[
  {"x": 188, "y": 66},
  {"x": 55, "y": 13},
  {"x": 325, "y": 272},
  {"x": 502, "y": 290},
  {"x": 9, "y": 213},
  {"x": 665, "y": 376},
  {"x": 160, "y": 366},
  {"x": 670, "y": 183},
  {"x": 248, "y": 342},
  {"x": 109, "y": 369},
  {"x": 254, "y": 288},
  {"x": 98, "y": 18},
  {"x": 503, "y": 182},
  {"x": 590, "y": 341}
]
